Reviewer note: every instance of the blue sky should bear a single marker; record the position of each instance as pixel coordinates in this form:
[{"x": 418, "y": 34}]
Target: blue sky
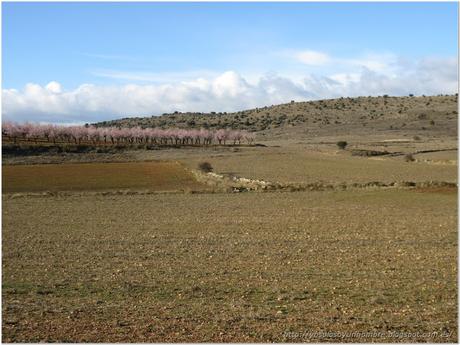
[{"x": 71, "y": 62}]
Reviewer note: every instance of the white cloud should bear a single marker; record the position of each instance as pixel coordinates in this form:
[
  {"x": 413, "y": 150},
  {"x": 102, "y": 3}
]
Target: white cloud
[
  {"x": 230, "y": 85},
  {"x": 346, "y": 78},
  {"x": 54, "y": 87},
  {"x": 311, "y": 57},
  {"x": 228, "y": 91},
  {"x": 383, "y": 63},
  {"x": 374, "y": 62}
]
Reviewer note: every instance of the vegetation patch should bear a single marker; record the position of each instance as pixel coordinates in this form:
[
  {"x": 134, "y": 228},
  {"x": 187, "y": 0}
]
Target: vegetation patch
[
  {"x": 369, "y": 153},
  {"x": 388, "y": 113}
]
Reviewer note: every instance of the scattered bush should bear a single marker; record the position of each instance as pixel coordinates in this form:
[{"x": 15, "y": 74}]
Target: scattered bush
[
  {"x": 342, "y": 144},
  {"x": 409, "y": 158},
  {"x": 205, "y": 167},
  {"x": 369, "y": 153},
  {"x": 416, "y": 138}
]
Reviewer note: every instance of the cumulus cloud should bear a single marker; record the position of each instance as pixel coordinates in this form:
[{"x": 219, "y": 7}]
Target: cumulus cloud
[
  {"x": 54, "y": 87},
  {"x": 228, "y": 91}
]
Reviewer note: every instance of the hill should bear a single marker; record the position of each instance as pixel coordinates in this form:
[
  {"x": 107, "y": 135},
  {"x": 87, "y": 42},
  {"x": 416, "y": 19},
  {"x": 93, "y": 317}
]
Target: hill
[{"x": 426, "y": 115}]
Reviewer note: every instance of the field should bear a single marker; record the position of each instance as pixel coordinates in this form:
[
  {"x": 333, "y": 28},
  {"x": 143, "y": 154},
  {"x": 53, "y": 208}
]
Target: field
[
  {"x": 229, "y": 267},
  {"x": 138, "y": 246},
  {"x": 159, "y": 176},
  {"x": 302, "y": 164}
]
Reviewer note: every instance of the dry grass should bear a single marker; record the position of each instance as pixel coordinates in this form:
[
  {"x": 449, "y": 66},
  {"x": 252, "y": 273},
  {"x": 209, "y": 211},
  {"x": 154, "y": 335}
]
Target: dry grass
[
  {"x": 97, "y": 176},
  {"x": 225, "y": 267},
  {"x": 300, "y": 164},
  {"x": 310, "y": 167},
  {"x": 442, "y": 157}
]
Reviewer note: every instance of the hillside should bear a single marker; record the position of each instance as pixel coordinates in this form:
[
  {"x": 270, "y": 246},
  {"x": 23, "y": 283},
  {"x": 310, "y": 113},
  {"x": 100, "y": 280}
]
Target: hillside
[{"x": 430, "y": 116}]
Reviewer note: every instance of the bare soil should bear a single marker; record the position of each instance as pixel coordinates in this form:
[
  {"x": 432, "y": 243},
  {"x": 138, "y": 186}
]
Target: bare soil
[
  {"x": 97, "y": 176},
  {"x": 230, "y": 267}
]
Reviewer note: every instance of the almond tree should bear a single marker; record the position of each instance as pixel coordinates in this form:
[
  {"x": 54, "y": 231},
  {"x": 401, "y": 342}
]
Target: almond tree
[
  {"x": 96, "y": 135},
  {"x": 250, "y": 137},
  {"x": 236, "y": 136},
  {"x": 221, "y": 135}
]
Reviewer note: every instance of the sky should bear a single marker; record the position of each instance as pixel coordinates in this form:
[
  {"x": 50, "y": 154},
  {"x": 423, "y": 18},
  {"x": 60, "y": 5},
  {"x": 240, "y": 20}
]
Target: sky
[{"x": 88, "y": 62}]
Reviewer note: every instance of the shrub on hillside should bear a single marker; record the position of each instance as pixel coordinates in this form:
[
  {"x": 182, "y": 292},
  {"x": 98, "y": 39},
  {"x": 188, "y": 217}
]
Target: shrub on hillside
[
  {"x": 368, "y": 153},
  {"x": 342, "y": 144},
  {"x": 205, "y": 167},
  {"x": 409, "y": 158}
]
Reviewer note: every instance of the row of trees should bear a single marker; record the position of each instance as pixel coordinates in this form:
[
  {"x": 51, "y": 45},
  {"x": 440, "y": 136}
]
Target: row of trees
[{"x": 114, "y": 135}]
